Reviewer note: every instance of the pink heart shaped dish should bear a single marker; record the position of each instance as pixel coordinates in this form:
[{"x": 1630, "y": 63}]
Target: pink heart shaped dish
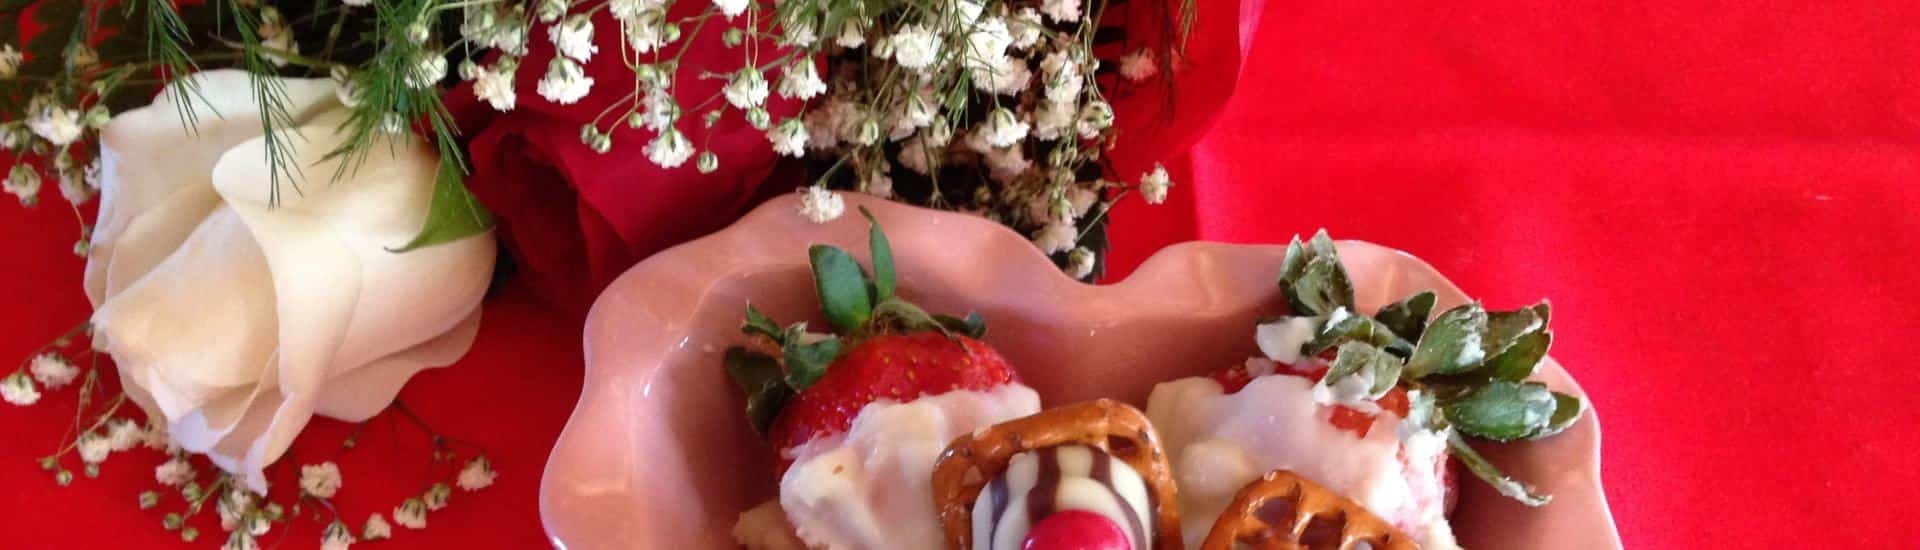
[{"x": 659, "y": 452}]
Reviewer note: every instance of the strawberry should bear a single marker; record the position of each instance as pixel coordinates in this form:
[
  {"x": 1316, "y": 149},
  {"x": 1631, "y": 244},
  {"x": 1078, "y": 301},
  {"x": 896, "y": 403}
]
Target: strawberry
[
  {"x": 1235, "y": 378},
  {"x": 884, "y": 348},
  {"x": 897, "y": 367}
]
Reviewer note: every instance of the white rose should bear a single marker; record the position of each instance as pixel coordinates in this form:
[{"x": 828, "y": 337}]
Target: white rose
[{"x": 234, "y": 322}]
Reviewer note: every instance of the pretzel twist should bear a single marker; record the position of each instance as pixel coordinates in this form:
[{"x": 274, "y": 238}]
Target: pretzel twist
[
  {"x": 1119, "y": 429},
  {"x": 1275, "y": 512}
]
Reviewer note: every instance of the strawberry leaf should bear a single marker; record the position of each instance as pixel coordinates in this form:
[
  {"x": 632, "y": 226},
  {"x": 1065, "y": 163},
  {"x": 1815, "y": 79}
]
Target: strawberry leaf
[
  {"x": 1343, "y": 327},
  {"x": 760, "y": 324},
  {"x": 842, "y": 286},
  {"x": 1408, "y": 318},
  {"x": 1506, "y": 327},
  {"x": 972, "y": 326},
  {"x": 1521, "y": 359},
  {"x": 1378, "y": 369},
  {"x": 1451, "y": 343},
  {"x": 1312, "y": 278},
  {"x": 1491, "y": 474},
  {"x": 806, "y": 363},
  {"x": 1502, "y": 410},
  {"x": 882, "y": 259},
  {"x": 759, "y": 377},
  {"x": 1566, "y": 409}
]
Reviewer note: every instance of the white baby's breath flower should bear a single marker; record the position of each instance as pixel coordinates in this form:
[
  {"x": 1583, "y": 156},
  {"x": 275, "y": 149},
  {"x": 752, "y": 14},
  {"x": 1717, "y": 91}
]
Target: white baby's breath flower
[
  {"x": 53, "y": 370},
  {"x": 93, "y": 448},
  {"x": 476, "y": 475},
  {"x": 916, "y": 112},
  {"x": 1138, "y": 66},
  {"x": 1094, "y": 117},
  {"x": 336, "y": 537},
  {"x": 428, "y": 69},
  {"x": 74, "y": 188},
  {"x": 320, "y": 480},
  {"x": 24, "y": 182},
  {"x": 10, "y": 60},
  {"x": 789, "y": 137},
  {"x": 1154, "y": 184},
  {"x": 1006, "y": 76},
  {"x": 1003, "y": 128},
  {"x": 938, "y": 133},
  {"x": 915, "y": 47},
  {"x": 987, "y": 44},
  {"x": 800, "y": 30},
  {"x": 573, "y": 37},
  {"x": 232, "y": 507},
  {"x": 495, "y": 86},
  {"x": 731, "y": 8},
  {"x": 658, "y": 110},
  {"x": 671, "y": 149},
  {"x": 18, "y": 389},
  {"x": 915, "y": 156},
  {"x": 510, "y": 37},
  {"x": 747, "y": 89},
  {"x": 963, "y": 12},
  {"x": 646, "y": 32},
  {"x": 1053, "y": 120},
  {"x": 627, "y": 11},
  {"x": 867, "y": 132},
  {"x": 1062, "y": 77},
  {"x": 174, "y": 472},
  {"x": 853, "y": 34},
  {"x": 411, "y": 514},
  {"x": 1061, "y": 11},
  {"x": 436, "y": 496},
  {"x": 240, "y": 540},
  {"x": 877, "y": 182},
  {"x": 1056, "y": 237},
  {"x": 1006, "y": 164},
  {"x": 123, "y": 434},
  {"x": 1026, "y": 27},
  {"x": 564, "y": 83},
  {"x": 1080, "y": 263},
  {"x": 549, "y": 11},
  {"x": 357, "y": 3},
  {"x": 343, "y": 87},
  {"x": 57, "y": 125},
  {"x": 821, "y": 205},
  {"x": 1081, "y": 199},
  {"x": 376, "y": 528},
  {"x": 801, "y": 80}
]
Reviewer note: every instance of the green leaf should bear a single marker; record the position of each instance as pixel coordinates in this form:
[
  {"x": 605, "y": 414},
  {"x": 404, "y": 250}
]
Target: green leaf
[
  {"x": 1521, "y": 359},
  {"x": 972, "y": 326},
  {"x": 806, "y": 363},
  {"x": 1408, "y": 318},
  {"x": 1506, "y": 327},
  {"x": 1502, "y": 410},
  {"x": 1566, "y": 409},
  {"x": 1379, "y": 369},
  {"x": 762, "y": 325},
  {"x": 454, "y": 213},
  {"x": 1349, "y": 328},
  {"x": 1491, "y": 474},
  {"x": 1543, "y": 310},
  {"x": 1312, "y": 278},
  {"x": 759, "y": 377},
  {"x": 1451, "y": 343},
  {"x": 842, "y": 286},
  {"x": 882, "y": 258}
]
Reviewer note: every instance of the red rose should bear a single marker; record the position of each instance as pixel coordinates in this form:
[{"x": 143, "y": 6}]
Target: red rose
[{"x": 575, "y": 219}]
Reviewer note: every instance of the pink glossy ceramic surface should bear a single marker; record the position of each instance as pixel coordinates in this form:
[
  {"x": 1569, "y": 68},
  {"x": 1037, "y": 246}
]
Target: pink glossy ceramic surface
[{"x": 658, "y": 453}]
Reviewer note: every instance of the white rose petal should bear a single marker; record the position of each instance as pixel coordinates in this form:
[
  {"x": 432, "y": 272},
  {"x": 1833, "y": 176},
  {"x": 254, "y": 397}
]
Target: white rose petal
[{"x": 316, "y": 314}]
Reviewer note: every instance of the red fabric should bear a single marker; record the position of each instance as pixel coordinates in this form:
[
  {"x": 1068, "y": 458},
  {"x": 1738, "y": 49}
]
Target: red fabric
[{"x": 1719, "y": 198}]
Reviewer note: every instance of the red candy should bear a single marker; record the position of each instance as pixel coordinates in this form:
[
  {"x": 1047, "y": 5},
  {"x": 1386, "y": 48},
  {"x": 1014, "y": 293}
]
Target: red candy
[{"x": 1076, "y": 530}]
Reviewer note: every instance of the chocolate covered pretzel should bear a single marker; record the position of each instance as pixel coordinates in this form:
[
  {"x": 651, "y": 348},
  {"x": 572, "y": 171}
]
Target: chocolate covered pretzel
[
  {"x": 1080, "y": 437},
  {"x": 1283, "y": 511}
]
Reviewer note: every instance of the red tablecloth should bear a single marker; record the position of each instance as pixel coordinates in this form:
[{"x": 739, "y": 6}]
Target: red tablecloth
[{"x": 1721, "y": 200}]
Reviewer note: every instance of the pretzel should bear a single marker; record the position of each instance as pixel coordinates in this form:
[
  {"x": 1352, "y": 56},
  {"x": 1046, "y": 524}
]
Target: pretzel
[
  {"x": 1283, "y": 511},
  {"x": 1116, "y": 428}
]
